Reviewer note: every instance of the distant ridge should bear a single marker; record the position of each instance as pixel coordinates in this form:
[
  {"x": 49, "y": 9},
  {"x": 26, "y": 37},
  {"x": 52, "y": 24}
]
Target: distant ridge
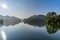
[{"x": 7, "y": 20}]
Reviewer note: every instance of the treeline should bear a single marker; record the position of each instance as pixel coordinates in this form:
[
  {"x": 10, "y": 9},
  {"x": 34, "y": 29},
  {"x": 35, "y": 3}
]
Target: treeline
[{"x": 52, "y": 17}]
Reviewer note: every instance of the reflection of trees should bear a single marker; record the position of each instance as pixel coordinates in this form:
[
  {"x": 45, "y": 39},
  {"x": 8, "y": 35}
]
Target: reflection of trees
[
  {"x": 51, "y": 28},
  {"x": 1, "y": 21}
]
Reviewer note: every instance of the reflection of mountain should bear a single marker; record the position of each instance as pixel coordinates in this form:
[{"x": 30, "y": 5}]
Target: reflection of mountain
[
  {"x": 9, "y": 20},
  {"x": 36, "y": 20}
]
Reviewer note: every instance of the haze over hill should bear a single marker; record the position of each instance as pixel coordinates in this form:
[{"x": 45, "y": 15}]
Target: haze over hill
[{"x": 7, "y": 20}]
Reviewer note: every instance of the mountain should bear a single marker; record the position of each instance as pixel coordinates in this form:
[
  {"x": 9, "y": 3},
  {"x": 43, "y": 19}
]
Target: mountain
[
  {"x": 35, "y": 20},
  {"x": 7, "y": 20}
]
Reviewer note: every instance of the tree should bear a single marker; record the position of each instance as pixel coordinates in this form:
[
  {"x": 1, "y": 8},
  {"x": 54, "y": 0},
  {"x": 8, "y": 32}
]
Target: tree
[{"x": 51, "y": 17}]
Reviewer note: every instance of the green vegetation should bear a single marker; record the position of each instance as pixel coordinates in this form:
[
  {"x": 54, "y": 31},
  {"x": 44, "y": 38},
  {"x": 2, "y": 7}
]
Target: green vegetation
[
  {"x": 52, "y": 22},
  {"x": 52, "y": 17},
  {"x": 52, "y": 28}
]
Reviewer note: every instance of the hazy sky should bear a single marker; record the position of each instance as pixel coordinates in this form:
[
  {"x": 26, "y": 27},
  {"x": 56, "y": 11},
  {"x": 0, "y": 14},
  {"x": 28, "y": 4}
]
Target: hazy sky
[{"x": 26, "y": 8}]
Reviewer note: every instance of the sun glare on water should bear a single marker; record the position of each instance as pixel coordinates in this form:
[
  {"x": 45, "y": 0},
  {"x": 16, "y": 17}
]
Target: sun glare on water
[{"x": 3, "y": 35}]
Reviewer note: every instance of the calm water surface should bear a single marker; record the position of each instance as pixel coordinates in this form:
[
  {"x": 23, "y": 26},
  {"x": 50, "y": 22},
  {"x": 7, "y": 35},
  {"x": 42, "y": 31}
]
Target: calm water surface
[{"x": 23, "y": 31}]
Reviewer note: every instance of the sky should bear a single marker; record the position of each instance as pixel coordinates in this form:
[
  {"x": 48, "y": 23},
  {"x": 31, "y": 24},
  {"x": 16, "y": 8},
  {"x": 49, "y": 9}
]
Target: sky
[{"x": 27, "y": 8}]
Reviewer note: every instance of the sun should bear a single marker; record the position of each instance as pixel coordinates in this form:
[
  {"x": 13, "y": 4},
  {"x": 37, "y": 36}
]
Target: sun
[{"x": 4, "y": 6}]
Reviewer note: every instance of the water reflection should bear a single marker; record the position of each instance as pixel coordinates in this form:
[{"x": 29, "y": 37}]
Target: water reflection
[
  {"x": 29, "y": 32},
  {"x": 7, "y": 22},
  {"x": 39, "y": 24},
  {"x": 52, "y": 28},
  {"x": 3, "y": 35}
]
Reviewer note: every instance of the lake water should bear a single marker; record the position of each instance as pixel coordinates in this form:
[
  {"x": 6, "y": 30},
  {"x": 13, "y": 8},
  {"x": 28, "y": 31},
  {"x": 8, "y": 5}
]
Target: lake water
[{"x": 23, "y": 31}]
